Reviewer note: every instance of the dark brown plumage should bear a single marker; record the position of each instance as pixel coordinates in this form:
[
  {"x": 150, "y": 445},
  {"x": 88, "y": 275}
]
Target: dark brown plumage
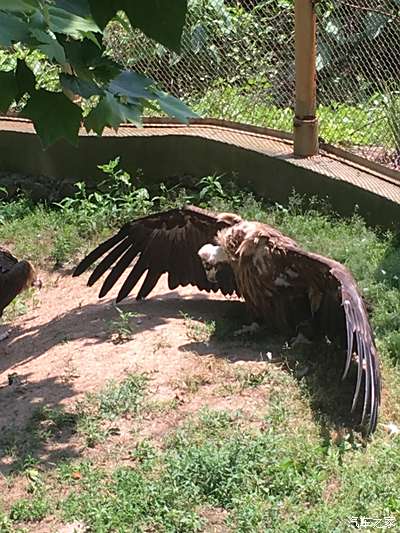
[
  {"x": 282, "y": 284},
  {"x": 15, "y": 276},
  {"x": 164, "y": 242}
]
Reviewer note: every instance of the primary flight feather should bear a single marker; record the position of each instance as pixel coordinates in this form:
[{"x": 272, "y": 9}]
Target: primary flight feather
[{"x": 283, "y": 285}]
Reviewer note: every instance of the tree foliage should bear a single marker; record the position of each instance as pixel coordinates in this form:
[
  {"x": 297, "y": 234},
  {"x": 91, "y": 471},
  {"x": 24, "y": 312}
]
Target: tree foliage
[
  {"x": 248, "y": 45},
  {"x": 88, "y": 85}
]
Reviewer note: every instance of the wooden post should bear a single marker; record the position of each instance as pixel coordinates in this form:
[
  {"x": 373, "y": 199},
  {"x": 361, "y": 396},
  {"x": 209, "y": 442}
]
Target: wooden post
[{"x": 305, "y": 121}]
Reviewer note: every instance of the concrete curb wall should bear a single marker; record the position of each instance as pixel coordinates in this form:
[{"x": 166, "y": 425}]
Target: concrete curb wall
[{"x": 161, "y": 156}]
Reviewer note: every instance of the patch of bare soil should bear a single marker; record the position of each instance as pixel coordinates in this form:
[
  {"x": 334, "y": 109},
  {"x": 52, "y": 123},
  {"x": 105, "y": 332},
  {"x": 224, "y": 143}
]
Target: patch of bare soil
[{"x": 63, "y": 348}]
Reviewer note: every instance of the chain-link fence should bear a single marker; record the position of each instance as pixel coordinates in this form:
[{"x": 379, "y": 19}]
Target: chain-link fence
[
  {"x": 358, "y": 68},
  {"x": 236, "y": 60},
  {"x": 237, "y": 63}
]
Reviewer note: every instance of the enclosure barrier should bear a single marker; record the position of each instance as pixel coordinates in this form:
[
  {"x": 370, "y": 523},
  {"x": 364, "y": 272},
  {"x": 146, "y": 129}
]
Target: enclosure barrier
[
  {"x": 238, "y": 63},
  {"x": 255, "y": 73}
]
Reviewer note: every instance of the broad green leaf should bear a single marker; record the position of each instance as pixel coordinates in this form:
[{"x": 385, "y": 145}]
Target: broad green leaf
[
  {"x": 132, "y": 85},
  {"x": 54, "y": 116},
  {"x": 110, "y": 112},
  {"x": 8, "y": 91},
  {"x": 88, "y": 61},
  {"x": 77, "y": 7},
  {"x": 339, "y": 32},
  {"x": 174, "y": 107},
  {"x": 81, "y": 53},
  {"x": 105, "y": 71},
  {"x": 133, "y": 113},
  {"x": 198, "y": 38},
  {"x": 12, "y": 29},
  {"x": 49, "y": 46},
  {"x": 324, "y": 56},
  {"x": 19, "y": 5},
  {"x": 84, "y": 88},
  {"x": 26, "y": 80},
  {"x": 62, "y": 21},
  {"x": 37, "y": 21},
  {"x": 158, "y": 19}
]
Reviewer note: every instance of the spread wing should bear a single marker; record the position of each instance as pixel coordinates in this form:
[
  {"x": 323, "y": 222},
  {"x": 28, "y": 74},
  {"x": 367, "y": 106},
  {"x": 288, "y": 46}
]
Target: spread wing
[
  {"x": 159, "y": 243},
  {"x": 7, "y": 260},
  {"x": 340, "y": 310}
]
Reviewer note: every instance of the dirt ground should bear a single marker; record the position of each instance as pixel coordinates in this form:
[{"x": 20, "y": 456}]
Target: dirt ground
[{"x": 63, "y": 347}]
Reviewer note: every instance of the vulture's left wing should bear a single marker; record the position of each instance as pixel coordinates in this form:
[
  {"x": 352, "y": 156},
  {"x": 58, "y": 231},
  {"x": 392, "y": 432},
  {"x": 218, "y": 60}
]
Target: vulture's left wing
[
  {"x": 334, "y": 293},
  {"x": 159, "y": 243}
]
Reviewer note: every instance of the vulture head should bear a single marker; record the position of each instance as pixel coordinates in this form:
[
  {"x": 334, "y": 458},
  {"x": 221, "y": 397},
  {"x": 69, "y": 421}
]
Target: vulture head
[
  {"x": 213, "y": 258},
  {"x": 25, "y": 272}
]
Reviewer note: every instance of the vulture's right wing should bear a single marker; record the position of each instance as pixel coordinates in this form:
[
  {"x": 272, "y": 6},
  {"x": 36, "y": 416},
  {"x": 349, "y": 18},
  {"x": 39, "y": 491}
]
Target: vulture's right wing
[
  {"x": 163, "y": 242},
  {"x": 337, "y": 295}
]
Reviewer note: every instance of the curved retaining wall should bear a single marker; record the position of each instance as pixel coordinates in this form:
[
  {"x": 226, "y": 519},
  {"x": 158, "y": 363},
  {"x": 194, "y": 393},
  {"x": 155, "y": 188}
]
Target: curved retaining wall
[{"x": 269, "y": 169}]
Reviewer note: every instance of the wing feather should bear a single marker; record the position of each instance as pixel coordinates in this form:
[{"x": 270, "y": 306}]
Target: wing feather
[
  {"x": 118, "y": 269},
  {"x": 100, "y": 250},
  {"x": 165, "y": 242},
  {"x": 335, "y": 278},
  {"x": 109, "y": 260},
  {"x": 357, "y": 321}
]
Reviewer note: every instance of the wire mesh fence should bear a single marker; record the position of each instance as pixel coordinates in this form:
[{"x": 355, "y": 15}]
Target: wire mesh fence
[
  {"x": 358, "y": 69},
  {"x": 237, "y": 63},
  {"x": 236, "y": 60}
]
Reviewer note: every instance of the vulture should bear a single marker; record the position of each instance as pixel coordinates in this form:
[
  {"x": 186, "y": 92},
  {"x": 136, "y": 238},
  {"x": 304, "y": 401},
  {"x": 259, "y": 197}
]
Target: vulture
[
  {"x": 15, "y": 277},
  {"x": 283, "y": 285}
]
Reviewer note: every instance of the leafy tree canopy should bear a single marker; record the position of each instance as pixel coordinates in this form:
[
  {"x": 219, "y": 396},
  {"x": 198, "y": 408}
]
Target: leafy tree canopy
[{"x": 89, "y": 86}]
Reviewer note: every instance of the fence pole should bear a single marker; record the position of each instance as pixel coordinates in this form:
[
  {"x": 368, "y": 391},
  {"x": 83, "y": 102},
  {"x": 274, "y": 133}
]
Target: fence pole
[{"x": 305, "y": 121}]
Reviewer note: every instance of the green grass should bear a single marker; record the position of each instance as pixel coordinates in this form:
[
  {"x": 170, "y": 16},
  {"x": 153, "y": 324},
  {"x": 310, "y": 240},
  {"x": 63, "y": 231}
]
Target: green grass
[
  {"x": 198, "y": 330},
  {"x": 279, "y": 467},
  {"x": 121, "y": 328},
  {"x": 115, "y": 400},
  {"x": 274, "y": 479},
  {"x": 366, "y": 124},
  {"x": 90, "y": 420}
]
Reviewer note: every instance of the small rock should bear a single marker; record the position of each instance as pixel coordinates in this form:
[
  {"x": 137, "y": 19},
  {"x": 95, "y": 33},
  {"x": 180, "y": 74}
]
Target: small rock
[{"x": 4, "y": 335}]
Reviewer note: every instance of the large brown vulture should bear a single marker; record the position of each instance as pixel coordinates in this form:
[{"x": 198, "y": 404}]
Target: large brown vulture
[
  {"x": 283, "y": 285},
  {"x": 15, "y": 277}
]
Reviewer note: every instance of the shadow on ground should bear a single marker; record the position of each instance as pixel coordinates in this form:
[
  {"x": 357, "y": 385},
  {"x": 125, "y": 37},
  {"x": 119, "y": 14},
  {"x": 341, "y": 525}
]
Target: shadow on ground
[
  {"x": 42, "y": 434},
  {"x": 318, "y": 369},
  {"x": 90, "y": 322},
  {"x": 329, "y": 397}
]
